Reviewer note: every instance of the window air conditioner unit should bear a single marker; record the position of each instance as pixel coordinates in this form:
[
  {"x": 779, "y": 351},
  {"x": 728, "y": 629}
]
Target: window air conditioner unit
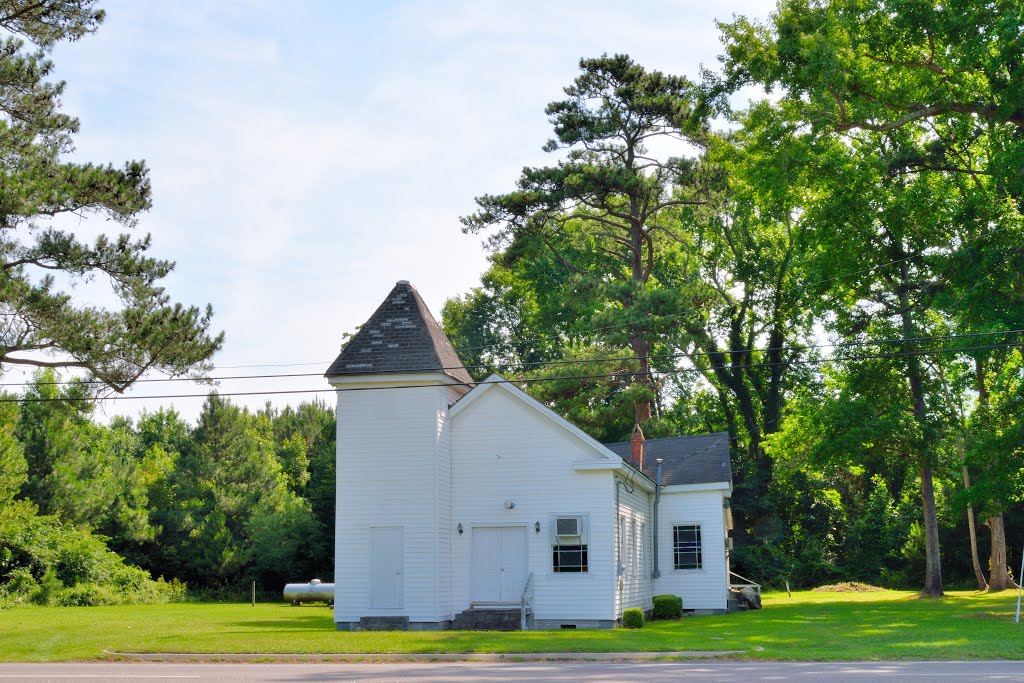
[{"x": 569, "y": 527}]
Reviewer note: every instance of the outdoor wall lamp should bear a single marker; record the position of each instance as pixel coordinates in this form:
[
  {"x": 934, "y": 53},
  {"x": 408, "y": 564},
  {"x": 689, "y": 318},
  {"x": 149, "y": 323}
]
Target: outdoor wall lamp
[
  {"x": 536, "y": 526},
  {"x": 509, "y": 505},
  {"x": 460, "y": 528}
]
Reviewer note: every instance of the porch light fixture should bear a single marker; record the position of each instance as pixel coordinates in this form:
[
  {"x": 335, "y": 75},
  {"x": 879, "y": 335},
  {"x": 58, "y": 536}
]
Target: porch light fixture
[
  {"x": 509, "y": 505},
  {"x": 536, "y": 526},
  {"x": 460, "y": 528}
]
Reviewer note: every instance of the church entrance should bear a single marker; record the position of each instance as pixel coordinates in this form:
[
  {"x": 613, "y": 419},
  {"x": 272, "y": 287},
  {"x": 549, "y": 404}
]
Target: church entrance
[{"x": 498, "y": 564}]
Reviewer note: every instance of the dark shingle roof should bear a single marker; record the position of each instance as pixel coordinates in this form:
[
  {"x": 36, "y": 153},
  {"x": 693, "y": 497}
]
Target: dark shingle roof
[
  {"x": 700, "y": 459},
  {"x": 401, "y": 336}
]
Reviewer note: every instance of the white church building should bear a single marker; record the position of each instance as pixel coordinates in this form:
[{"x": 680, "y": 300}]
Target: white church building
[{"x": 465, "y": 504}]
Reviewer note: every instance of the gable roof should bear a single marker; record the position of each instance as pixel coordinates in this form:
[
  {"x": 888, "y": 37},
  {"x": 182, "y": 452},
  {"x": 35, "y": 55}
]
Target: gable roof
[
  {"x": 400, "y": 337},
  {"x": 496, "y": 382},
  {"x": 700, "y": 459}
]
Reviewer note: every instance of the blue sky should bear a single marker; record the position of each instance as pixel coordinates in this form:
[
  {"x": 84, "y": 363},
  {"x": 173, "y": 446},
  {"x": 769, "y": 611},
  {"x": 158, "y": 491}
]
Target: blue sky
[{"x": 306, "y": 155}]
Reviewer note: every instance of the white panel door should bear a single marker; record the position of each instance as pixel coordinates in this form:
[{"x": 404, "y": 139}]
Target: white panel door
[
  {"x": 513, "y": 562},
  {"x": 386, "y": 567},
  {"x": 485, "y": 565},
  {"x": 498, "y": 564}
]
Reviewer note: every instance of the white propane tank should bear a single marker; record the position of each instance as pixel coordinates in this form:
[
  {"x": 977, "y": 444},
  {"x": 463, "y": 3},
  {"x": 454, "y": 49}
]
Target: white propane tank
[{"x": 314, "y": 591}]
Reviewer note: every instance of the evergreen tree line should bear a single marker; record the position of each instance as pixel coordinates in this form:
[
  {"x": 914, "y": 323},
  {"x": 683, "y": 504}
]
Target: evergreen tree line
[{"x": 151, "y": 509}]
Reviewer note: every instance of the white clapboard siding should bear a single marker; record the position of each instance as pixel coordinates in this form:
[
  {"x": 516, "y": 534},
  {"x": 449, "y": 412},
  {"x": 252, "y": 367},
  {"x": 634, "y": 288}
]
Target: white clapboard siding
[
  {"x": 444, "y": 508},
  {"x": 635, "y": 584},
  {"x": 505, "y": 450},
  {"x": 705, "y": 588},
  {"x": 391, "y": 445}
]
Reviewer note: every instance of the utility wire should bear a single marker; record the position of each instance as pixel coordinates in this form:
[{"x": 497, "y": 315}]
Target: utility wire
[
  {"x": 522, "y": 380},
  {"x": 579, "y": 361}
]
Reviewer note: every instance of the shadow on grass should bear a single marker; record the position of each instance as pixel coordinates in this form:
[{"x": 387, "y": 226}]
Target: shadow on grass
[{"x": 303, "y": 622}]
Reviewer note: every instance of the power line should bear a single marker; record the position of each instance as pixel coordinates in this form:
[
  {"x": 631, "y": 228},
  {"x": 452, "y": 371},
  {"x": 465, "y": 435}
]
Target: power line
[
  {"x": 579, "y": 361},
  {"x": 522, "y": 380}
]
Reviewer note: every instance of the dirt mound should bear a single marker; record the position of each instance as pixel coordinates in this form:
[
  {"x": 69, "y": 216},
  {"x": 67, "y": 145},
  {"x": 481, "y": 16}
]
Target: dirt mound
[{"x": 848, "y": 587}]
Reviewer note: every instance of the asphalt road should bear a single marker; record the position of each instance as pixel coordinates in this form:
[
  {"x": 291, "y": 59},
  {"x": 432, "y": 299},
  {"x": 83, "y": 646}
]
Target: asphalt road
[{"x": 466, "y": 672}]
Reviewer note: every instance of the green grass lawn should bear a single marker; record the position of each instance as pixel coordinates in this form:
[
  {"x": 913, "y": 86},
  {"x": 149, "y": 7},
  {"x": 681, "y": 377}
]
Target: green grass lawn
[{"x": 808, "y": 626}]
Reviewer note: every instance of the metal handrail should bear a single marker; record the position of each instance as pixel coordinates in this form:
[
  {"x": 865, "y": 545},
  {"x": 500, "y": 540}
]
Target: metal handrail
[
  {"x": 526, "y": 599},
  {"x": 751, "y": 584}
]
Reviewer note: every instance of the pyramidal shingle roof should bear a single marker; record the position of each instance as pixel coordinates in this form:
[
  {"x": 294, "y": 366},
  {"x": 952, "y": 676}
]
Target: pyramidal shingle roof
[{"x": 400, "y": 337}]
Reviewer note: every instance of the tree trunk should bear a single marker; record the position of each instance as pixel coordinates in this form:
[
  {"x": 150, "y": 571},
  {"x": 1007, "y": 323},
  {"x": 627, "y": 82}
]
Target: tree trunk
[
  {"x": 979, "y": 576},
  {"x": 932, "y": 568},
  {"x": 999, "y": 574},
  {"x": 642, "y": 350}
]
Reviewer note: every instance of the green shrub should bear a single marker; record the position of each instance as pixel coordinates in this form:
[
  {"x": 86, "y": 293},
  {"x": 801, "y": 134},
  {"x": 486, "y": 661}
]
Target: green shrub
[
  {"x": 48, "y": 562},
  {"x": 19, "y": 582},
  {"x": 668, "y": 606},
  {"x": 88, "y": 595},
  {"x": 48, "y": 589},
  {"x": 633, "y": 617}
]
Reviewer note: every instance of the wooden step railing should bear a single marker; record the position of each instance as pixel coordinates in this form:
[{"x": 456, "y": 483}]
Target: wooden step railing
[
  {"x": 747, "y": 583},
  {"x": 526, "y": 601}
]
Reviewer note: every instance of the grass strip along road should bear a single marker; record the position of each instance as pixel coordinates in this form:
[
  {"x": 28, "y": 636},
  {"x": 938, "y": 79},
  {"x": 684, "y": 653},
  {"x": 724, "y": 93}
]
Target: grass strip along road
[{"x": 886, "y": 625}]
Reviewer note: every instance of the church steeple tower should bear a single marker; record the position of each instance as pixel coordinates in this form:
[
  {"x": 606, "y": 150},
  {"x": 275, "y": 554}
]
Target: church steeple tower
[{"x": 396, "y": 380}]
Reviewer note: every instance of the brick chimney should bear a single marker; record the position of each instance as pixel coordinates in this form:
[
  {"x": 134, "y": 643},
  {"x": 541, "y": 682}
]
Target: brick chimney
[{"x": 638, "y": 447}]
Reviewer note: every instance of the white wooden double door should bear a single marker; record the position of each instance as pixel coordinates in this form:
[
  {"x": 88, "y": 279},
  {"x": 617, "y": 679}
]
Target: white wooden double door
[{"x": 498, "y": 564}]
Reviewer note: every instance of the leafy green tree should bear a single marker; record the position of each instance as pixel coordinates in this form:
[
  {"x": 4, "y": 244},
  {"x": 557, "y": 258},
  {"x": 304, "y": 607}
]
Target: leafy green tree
[
  {"x": 287, "y": 544},
  {"x": 602, "y": 402},
  {"x": 295, "y": 432},
  {"x": 226, "y": 476},
  {"x": 126, "y": 521},
  {"x": 893, "y": 229},
  {"x": 321, "y": 491},
  {"x": 605, "y": 209},
  {"x": 840, "y": 439},
  {"x": 13, "y": 467},
  {"x": 950, "y": 68},
  {"x": 507, "y": 324},
  {"x": 42, "y": 326},
  {"x": 984, "y": 296},
  {"x": 81, "y": 472},
  {"x": 742, "y": 278},
  {"x": 68, "y": 475},
  {"x": 929, "y": 95},
  {"x": 872, "y": 541},
  {"x": 995, "y": 452}
]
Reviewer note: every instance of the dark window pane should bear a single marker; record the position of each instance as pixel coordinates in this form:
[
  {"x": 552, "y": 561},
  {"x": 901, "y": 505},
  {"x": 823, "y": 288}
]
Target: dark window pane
[
  {"x": 686, "y": 547},
  {"x": 569, "y": 558}
]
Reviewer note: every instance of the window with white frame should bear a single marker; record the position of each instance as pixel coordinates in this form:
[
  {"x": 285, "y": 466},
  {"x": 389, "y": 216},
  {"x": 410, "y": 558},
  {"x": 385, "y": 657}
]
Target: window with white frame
[
  {"x": 633, "y": 547},
  {"x": 569, "y": 548},
  {"x": 686, "y": 547},
  {"x": 620, "y": 542},
  {"x": 643, "y": 549},
  {"x": 569, "y": 558}
]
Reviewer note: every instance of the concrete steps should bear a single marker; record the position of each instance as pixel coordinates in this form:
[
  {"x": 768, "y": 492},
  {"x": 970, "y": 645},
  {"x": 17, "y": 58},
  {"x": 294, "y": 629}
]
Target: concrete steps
[{"x": 488, "y": 619}]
